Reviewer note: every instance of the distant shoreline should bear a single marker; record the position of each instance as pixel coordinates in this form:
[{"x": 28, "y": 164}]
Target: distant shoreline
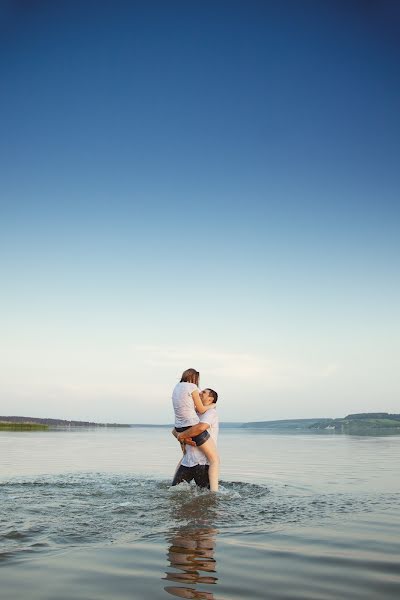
[
  {"x": 23, "y": 427},
  {"x": 14, "y": 420},
  {"x": 357, "y": 424}
]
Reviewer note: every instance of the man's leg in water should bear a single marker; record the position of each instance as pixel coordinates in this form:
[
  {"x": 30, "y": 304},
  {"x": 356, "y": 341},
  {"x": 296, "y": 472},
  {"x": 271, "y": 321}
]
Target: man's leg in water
[
  {"x": 183, "y": 474},
  {"x": 201, "y": 476},
  {"x": 199, "y": 473}
]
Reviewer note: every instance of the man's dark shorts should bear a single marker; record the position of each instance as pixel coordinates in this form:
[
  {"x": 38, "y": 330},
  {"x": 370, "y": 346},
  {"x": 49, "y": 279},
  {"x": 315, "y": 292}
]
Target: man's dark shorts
[
  {"x": 199, "y": 473},
  {"x": 199, "y": 439}
]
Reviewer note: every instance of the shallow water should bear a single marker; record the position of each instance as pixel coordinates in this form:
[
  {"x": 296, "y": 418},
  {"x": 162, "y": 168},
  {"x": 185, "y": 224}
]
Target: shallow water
[{"x": 303, "y": 516}]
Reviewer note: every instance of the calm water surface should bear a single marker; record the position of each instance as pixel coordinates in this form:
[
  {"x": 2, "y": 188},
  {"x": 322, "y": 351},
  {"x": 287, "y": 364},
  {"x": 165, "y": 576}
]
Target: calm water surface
[{"x": 89, "y": 514}]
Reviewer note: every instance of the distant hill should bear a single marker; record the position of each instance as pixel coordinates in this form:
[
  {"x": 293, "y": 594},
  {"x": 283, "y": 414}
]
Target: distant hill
[
  {"x": 58, "y": 422},
  {"x": 379, "y": 415},
  {"x": 360, "y": 423}
]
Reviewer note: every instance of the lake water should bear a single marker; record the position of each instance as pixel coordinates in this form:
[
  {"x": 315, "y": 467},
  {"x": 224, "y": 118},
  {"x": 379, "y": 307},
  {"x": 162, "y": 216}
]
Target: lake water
[{"x": 90, "y": 514}]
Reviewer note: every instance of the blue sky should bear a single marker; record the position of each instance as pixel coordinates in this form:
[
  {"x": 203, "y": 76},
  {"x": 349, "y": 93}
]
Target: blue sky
[{"x": 199, "y": 184}]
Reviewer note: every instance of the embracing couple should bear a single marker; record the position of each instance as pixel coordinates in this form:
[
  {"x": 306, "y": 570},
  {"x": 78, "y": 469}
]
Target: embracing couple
[{"x": 196, "y": 428}]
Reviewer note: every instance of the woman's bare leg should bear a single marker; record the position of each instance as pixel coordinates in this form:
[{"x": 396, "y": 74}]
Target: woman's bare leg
[{"x": 210, "y": 450}]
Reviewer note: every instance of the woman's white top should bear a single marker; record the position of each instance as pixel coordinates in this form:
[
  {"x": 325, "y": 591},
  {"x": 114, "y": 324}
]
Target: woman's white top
[{"x": 185, "y": 412}]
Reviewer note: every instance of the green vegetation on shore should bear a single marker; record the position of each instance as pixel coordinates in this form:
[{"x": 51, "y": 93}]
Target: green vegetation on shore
[
  {"x": 10, "y": 426},
  {"x": 357, "y": 424},
  {"x": 55, "y": 422},
  {"x": 361, "y": 423}
]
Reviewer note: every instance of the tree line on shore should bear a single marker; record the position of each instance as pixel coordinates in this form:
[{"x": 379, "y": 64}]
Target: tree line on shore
[{"x": 55, "y": 422}]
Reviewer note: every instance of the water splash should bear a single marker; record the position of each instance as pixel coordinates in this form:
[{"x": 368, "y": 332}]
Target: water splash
[{"x": 55, "y": 512}]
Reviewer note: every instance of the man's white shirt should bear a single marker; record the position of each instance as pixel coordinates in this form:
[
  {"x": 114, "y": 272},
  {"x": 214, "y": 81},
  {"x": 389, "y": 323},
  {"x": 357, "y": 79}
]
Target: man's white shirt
[{"x": 195, "y": 456}]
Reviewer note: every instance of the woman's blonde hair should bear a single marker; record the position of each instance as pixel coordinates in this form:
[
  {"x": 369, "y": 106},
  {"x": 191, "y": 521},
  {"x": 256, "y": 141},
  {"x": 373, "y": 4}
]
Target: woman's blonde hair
[{"x": 191, "y": 376}]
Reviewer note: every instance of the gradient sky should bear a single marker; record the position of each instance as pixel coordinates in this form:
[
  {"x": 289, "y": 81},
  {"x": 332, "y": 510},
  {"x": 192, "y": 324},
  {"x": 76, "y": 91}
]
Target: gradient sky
[{"x": 199, "y": 184}]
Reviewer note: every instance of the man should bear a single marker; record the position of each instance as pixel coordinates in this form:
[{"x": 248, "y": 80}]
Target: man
[{"x": 194, "y": 464}]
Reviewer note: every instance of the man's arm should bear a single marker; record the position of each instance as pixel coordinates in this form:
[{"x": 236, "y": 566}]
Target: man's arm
[
  {"x": 193, "y": 431},
  {"x": 183, "y": 442}
]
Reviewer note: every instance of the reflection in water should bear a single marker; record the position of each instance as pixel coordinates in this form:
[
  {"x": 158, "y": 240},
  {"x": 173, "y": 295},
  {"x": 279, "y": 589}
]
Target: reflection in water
[
  {"x": 191, "y": 554},
  {"x": 191, "y": 547}
]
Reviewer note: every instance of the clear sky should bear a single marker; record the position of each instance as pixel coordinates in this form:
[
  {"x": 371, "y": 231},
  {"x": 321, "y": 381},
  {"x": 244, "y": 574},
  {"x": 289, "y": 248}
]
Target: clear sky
[{"x": 199, "y": 184}]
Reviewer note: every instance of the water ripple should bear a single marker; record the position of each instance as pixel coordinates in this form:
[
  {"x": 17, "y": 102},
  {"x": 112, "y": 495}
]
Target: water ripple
[{"x": 54, "y": 512}]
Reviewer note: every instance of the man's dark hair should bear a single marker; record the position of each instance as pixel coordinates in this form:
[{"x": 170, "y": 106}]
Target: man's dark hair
[{"x": 213, "y": 394}]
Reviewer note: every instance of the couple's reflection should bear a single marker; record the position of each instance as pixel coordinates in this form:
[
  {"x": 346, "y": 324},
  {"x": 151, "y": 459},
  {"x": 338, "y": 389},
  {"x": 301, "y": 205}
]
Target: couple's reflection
[{"x": 191, "y": 554}]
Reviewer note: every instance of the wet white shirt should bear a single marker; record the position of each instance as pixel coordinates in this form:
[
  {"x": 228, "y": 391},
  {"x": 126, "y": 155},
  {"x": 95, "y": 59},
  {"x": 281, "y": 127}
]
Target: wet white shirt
[
  {"x": 195, "y": 456},
  {"x": 185, "y": 413}
]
